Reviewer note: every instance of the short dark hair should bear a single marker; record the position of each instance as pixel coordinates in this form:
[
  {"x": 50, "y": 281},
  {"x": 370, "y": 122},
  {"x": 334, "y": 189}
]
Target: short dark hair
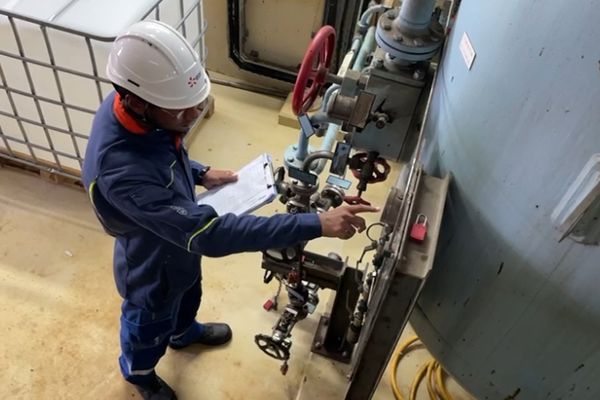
[{"x": 121, "y": 90}]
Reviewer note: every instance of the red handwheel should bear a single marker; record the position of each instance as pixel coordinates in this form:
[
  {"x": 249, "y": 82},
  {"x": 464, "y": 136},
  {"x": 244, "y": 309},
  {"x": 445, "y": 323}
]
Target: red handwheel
[{"x": 313, "y": 71}]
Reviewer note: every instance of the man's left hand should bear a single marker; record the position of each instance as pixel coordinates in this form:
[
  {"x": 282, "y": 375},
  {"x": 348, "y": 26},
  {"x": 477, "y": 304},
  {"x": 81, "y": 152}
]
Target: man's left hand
[{"x": 218, "y": 177}]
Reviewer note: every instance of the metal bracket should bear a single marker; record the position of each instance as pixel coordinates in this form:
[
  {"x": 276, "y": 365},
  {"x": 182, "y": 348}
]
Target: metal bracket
[{"x": 578, "y": 212}]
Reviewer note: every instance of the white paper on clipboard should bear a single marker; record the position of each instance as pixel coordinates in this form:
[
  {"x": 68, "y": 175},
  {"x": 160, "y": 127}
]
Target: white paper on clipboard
[{"x": 254, "y": 188}]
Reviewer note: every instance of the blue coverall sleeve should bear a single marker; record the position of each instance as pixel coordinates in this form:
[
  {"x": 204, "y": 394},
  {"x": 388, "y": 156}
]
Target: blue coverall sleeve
[
  {"x": 197, "y": 171},
  {"x": 198, "y": 229}
]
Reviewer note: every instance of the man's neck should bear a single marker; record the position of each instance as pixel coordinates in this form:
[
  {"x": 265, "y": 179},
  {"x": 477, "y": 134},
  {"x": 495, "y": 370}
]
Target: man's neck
[{"x": 128, "y": 119}]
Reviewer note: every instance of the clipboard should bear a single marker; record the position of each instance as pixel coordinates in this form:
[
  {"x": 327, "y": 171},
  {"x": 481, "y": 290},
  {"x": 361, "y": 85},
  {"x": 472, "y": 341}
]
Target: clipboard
[{"x": 254, "y": 188}]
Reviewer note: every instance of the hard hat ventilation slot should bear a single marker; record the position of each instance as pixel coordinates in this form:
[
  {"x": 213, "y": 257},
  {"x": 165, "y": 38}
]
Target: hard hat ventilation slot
[{"x": 133, "y": 83}]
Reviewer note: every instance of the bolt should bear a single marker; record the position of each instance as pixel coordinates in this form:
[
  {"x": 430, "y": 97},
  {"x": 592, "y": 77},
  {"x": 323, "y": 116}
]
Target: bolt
[
  {"x": 295, "y": 147},
  {"x": 386, "y": 25},
  {"x": 290, "y": 159},
  {"x": 378, "y": 63},
  {"x": 398, "y": 37},
  {"x": 317, "y": 345},
  {"x": 418, "y": 75},
  {"x": 346, "y": 354},
  {"x": 392, "y": 14},
  {"x": 418, "y": 42}
]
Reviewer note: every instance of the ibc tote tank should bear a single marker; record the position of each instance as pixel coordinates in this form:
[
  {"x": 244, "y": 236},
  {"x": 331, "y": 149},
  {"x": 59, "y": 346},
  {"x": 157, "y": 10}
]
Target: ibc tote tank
[{"x": 509, "y": 310}]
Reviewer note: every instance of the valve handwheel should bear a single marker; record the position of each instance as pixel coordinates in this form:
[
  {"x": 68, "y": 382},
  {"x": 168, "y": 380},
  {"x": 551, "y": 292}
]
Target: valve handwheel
[
  {"x": 381, "y": 168},
  {"x": 313, "y": 71},
  {"x": 272, "y": 348}
]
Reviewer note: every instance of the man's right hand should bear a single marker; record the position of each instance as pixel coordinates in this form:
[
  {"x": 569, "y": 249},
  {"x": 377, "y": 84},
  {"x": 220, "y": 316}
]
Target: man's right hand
[{"x": 342, "y": 222}]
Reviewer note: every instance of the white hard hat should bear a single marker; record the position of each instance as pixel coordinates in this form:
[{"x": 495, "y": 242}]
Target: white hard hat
[{"x": 155, "y": 62}]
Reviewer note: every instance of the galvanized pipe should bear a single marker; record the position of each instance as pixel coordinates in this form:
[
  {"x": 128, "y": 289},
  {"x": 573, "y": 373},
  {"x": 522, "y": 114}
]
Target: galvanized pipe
[
  {"x": 5, "y": 140},
  {"x": 33, "y": 91},
  {"x": 47, "y": 99},
  {"x": 40, "y": 147},
  {"x": 40, "y": 167},
  {"x": 57, "y": 67},
  {"x": 20, "y": 119},
  {"x": 15, "y": 113},
  {"x": 61, "y": 95}
]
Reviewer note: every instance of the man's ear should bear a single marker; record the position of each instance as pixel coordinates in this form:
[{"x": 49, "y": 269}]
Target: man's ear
[{"x": 135, "y": 104}]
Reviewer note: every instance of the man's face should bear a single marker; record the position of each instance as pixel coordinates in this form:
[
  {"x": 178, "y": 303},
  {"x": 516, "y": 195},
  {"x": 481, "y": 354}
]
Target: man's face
[{"x": 176, "y": 120}]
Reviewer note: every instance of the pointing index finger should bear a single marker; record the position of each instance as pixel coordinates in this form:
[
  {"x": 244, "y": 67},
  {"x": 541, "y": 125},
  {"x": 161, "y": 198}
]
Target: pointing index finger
[{"x": 360, "y": 208}]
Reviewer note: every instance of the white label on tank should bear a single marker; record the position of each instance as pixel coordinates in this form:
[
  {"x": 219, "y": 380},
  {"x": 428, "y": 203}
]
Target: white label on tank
[{"x": 467, "y": 50}]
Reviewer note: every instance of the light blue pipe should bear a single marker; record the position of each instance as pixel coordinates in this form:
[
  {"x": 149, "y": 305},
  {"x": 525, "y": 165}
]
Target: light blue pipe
[
  {"x": 333, "y": 88},
  {"x": 367, "y": 47},
  {"x": 302, "y": 150},
  {"x": 362, "y": 48},
  {"x": 363, "y": 23}
]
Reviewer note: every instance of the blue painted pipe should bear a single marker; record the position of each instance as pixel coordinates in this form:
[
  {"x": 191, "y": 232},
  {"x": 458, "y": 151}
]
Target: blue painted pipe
[{"x": 361, "y": 48}]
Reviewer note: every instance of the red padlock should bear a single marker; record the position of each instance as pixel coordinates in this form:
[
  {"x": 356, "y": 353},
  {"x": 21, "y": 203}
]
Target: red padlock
[
  {"x": 418, "y": 231},
  {"x": 269, "y": 305}
]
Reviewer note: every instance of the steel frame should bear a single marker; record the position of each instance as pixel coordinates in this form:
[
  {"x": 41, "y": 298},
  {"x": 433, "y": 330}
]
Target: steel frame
[{"x": 191, "y": 15}]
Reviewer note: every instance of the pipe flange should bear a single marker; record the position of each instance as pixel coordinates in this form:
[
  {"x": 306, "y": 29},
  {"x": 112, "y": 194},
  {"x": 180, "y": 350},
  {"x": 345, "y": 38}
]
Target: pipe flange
[
  {"x": 303, "y": 190},
  {"x": 404, "y": 45}
]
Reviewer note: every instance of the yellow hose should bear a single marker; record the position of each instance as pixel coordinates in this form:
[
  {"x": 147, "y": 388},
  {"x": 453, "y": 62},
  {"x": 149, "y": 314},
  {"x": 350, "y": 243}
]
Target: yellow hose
[
  {"x": 440, "y": 383},
  {"x": 395, "y": 361},
  {"x": 414, "y": 387},
  {"x": 431, "y": 389},
  {"x": 436, "y": 387}
]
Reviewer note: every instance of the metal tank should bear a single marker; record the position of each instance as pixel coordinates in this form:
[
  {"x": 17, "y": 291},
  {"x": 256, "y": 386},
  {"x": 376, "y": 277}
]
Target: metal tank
[{"x": 510, "y": 310}]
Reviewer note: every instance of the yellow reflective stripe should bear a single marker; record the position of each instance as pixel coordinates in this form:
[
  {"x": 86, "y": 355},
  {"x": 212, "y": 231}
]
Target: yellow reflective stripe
[
  {"x": 91, "y": 192},
  {"x": 199, "y": 231},
  {"x": 172, "y": 174}
]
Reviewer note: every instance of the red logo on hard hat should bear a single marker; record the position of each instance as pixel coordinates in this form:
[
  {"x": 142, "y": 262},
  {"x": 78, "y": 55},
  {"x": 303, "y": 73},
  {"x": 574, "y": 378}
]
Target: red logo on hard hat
[{"x": 194, "y": 79}]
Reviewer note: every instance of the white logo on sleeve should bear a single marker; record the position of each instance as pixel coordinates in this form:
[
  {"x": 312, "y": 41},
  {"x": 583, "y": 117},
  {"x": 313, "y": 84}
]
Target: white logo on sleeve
[{"x": 179, "y": 210}]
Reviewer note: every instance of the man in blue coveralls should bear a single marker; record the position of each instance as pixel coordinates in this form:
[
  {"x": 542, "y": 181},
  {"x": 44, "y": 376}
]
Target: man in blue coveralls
[{"x": 142, "y": 186}]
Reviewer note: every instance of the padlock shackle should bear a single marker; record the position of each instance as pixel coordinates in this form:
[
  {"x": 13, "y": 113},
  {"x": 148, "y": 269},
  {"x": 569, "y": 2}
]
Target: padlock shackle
[{"x": 421, "y": 219}]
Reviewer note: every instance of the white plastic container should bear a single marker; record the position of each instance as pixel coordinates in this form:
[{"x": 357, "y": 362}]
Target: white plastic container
[{"x": 53, "y": 55}]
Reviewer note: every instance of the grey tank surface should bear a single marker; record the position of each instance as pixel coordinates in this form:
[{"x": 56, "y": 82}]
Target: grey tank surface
[{"x": 509, "y": 310}]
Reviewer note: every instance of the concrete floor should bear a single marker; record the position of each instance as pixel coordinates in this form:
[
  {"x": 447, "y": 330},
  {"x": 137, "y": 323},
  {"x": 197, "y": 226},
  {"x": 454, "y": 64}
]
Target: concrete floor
[{"x": 59, "y": 310}]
